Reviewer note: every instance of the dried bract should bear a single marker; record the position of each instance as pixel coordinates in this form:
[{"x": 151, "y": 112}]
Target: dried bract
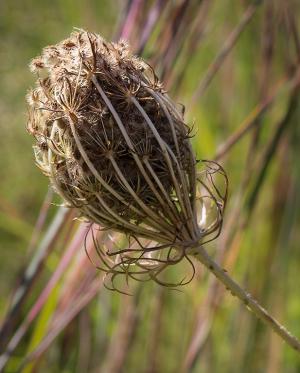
[{"x": 115, "y": 147}]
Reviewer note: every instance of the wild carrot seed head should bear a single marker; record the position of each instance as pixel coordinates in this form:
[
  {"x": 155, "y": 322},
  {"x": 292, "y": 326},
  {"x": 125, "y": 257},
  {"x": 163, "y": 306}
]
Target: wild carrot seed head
[{"x": 115, "y": 146}]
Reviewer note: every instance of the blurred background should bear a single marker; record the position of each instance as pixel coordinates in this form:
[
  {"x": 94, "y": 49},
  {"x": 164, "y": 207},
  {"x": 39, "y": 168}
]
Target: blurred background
[{"x": 234, "y": 65}]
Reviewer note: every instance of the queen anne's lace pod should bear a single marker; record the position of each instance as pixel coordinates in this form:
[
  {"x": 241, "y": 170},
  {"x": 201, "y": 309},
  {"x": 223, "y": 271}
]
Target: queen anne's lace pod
[{"x": 115, "y": 147}]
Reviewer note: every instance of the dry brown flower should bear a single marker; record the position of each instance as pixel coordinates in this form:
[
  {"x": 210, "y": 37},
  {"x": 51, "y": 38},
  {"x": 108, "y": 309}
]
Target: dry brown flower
[{"x": 116, "y": 148}]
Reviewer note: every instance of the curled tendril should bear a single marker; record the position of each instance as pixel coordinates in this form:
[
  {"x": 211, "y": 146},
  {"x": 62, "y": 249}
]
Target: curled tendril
[{"x": 145, "y": 260}]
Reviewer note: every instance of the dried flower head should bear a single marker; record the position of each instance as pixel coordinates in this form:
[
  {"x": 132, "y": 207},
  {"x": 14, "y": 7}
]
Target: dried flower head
[{"x": 116, "y": 147}]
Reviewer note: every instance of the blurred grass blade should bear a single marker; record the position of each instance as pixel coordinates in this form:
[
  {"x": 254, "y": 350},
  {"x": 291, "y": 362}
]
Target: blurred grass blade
[
  {"x": 224, "y": 51},
  {"x": 31, "y": 274}
]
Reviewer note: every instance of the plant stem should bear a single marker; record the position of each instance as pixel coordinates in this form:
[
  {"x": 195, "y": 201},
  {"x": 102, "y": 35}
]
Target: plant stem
[
  {"x": 224, "y": 51},
  {"x": 200, "y": 253}
]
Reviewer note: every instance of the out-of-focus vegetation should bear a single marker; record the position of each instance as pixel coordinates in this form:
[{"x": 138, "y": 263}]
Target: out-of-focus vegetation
[
  {"x": 246, "y": 117},
  {"x": 26, "y": 27}
]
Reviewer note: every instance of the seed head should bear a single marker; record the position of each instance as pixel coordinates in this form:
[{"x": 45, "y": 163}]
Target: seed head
[{"x": 116, "y": 148}]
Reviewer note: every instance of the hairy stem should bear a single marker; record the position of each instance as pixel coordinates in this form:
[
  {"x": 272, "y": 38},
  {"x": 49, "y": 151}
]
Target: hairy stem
[{"x": 200, "y": 253}]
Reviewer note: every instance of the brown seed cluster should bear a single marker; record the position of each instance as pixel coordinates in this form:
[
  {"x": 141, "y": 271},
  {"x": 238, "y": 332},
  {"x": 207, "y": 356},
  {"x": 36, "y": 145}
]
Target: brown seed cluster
[{"x": 113, "y": 144}]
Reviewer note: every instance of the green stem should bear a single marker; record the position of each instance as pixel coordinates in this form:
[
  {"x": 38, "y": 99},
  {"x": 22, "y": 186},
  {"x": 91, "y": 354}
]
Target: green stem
[{"x": 262, "y": 314}]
